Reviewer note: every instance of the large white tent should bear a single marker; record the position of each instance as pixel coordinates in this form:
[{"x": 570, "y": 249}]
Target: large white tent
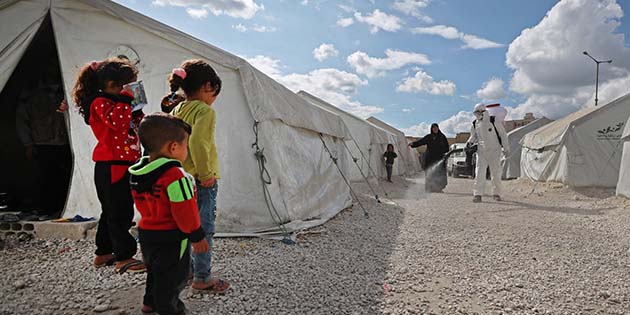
[
  {"x": 512, "y": 165},
  {"x": 580, "y": 150},
  {"x": 408, "y": 162},
  {"x": 306, "y": 187},
  {"x": 367, "y": 144},
  {"x": 623, "y": 185}
]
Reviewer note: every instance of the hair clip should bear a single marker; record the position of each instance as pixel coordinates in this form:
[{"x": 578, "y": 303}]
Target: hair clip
[
  {"x": 94, "y": 65},
  {"x": 180, "y": 73}
]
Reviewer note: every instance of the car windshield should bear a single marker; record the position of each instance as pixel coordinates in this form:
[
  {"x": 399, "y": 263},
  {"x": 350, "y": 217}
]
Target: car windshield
[{"x": 460, "y": 154}]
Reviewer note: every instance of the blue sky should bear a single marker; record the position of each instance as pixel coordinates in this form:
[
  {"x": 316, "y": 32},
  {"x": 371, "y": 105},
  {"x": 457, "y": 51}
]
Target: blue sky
[{"x": 434, "y": 76}]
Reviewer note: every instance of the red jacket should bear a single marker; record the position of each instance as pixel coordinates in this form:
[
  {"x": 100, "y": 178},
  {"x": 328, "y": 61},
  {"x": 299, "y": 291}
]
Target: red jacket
[
  {"x": 111, "y": 121},
  {"x": 165, "y": 196}
]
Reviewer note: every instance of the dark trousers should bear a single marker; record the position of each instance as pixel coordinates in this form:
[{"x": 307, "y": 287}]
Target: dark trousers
[
  {"x": 167, "y": 258},
  {"x": 55, "y": 165},
  {"x": 389, "y": 168},
  {"x": 112, "y": 235}
]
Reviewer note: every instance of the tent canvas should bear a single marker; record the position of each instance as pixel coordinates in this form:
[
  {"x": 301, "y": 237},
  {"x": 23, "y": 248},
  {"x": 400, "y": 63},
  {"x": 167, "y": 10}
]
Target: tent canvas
[
  {"x": 581, "y": 150},
  {"x": 623, "y": 185},
  {"x": 409, "y": 160},
  {"x": 512, "y": 165},
  {"x": 306, "y": 187},
  {"x": 367, "y": 144}
]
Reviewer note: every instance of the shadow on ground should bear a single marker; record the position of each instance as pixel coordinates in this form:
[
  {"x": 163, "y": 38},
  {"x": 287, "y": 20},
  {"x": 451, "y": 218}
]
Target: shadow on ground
[{"x": 337, "y": 268}]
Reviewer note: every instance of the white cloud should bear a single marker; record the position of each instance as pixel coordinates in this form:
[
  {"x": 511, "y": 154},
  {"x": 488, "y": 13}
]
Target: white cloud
[
  {"x": 449, "y": 32},
  {"x": 346, "y": 8},
  {"x": 492, "y": 90},
  {"x": 256, "y": 28},
  {"x": 197, "y": 13},
  {"x": 269, "y": 66},
  {"x": 325, "y": 51},
  {"x": 375, "y": 67},
  {"x": 379, "y": 20},
  {"x": 407, "y": 110},
  {"x": 422, "y": 82},
  {"x": 245, "y": 9},
  {"x": 413, "y": 8},
  {"x": 332, "y": 85},
  {"x": 345, "y": 22},
  {"x": 460, "y": 122},
  {"x": 549, "y": 67},
  {"x": 240, "y": 27},
  {"x": 263, "y": 29}
]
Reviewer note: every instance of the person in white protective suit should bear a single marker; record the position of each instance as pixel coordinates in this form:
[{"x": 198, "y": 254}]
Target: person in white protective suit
[{"x": 490, "y": 137}]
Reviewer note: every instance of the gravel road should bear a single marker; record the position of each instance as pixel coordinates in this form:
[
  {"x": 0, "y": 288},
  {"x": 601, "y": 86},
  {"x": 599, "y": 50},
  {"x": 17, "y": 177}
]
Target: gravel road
[{"x": 554, "y": 251}]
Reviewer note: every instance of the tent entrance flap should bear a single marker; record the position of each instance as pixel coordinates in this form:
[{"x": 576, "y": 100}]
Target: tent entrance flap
[{"x": 36, "y": 159}]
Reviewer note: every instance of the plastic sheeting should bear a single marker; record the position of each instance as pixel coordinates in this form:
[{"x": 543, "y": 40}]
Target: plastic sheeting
[
  {"x": 581, "y": 150},
  {"x": 19, "y": 22},
  {"x": 306, "y": 187},
  {"x": 623, "y": 185},
  {"x": 512, "y": 165},
  {"x": 367, "y": 136}
]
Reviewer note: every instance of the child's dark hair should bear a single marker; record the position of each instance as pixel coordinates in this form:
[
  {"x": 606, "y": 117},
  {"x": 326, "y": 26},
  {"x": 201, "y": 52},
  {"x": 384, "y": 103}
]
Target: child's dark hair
[
  {"x": 389, "y": 145},
  {"x": 157, "y": 130},
  {"x": 93, "y": 77},
  {"x": 197, "y": 73}
]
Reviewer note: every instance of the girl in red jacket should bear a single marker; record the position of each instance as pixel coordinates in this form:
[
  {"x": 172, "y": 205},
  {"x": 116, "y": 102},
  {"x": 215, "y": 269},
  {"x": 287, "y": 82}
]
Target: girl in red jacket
[{"x": 104, "y": 101}]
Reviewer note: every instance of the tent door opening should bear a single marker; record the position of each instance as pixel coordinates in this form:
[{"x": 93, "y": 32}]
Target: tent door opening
[{"x": 35, "y": 160}]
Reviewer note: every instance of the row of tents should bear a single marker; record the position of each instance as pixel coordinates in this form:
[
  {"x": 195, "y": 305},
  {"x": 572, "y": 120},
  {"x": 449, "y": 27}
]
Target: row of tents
[
  {"x": 283, "y": 153},
  {"x": 588, "y": 148}
]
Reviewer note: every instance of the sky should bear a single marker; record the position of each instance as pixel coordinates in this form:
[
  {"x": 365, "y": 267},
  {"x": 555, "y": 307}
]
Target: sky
[{"x": 414, "y": 62}]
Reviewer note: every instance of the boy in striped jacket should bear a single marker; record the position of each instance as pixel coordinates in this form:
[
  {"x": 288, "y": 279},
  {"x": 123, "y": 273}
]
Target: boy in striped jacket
[{"x": 165, "y": 196}]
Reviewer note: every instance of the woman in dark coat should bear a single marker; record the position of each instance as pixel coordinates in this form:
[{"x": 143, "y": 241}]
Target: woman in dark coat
[{"x": 434, "y": 164}]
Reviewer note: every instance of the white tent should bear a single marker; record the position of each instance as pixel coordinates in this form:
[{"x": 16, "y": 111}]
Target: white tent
[
  {"x": 367, "y": 144},
  {"x": 408, "y": 162},
  {"x": 580, "y": 150},
  {"x": 512, "y": 165},
  {"x": 306, "y": 188},
  {"x": 623, "y": 185}
]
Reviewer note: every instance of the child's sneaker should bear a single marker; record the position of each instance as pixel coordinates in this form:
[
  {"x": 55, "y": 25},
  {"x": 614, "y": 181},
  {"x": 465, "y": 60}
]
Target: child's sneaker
[{"x": 477, "y": 199}]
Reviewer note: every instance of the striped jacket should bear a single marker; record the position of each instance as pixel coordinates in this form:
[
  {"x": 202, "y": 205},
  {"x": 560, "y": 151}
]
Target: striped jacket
[{"x": 165, "y": 196}]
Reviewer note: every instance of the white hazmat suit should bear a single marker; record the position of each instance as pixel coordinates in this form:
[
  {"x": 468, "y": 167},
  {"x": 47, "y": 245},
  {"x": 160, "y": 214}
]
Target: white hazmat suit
[{"x": 483, "y": 134}]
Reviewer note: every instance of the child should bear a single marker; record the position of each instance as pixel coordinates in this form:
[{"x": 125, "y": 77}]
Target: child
[
  {"x": 201, "y": 85},
  {"x": 389, "y": 156},
  {"x": 104, "y": 102},
  {"x": 165, "y": 197}
]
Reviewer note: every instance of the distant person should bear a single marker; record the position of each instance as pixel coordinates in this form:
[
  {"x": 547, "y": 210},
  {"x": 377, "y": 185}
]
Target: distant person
[
  {"x": 434, "y": 164},
  {"x": 489, "y": 137},
  {"x": 41, "y": 127},
  {"x": 165, "y": 196},
  {"x": 389, "y": 157},
  {"x": 201, "y": 85},
  {"x": 104, "y": 100}
]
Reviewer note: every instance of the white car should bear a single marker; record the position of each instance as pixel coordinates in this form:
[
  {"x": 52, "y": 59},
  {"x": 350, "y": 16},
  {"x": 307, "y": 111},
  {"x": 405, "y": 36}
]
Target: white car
[{"x": 456, "y": 165}]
